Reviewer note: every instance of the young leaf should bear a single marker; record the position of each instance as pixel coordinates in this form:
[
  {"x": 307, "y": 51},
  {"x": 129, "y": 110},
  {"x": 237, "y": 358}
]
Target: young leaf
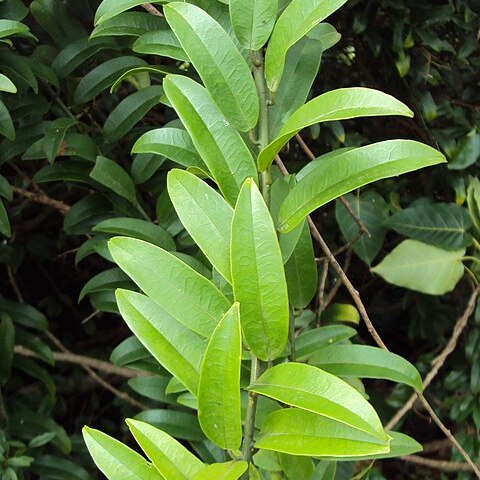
[
  {"x": 206, "y": 216},
  {"x": 217, "y": 60},
  {"x": 363, "y": 361},
  {"x": 253, "y": 21},
  {"x": 113, "y": 176},
  {"x": 177, "y": 349},
  {"x": 301, "y": 271},
  {"x": 223, "y": 471},
  {"x": 160, "y": 42},
  {"x": 343, "y": 173},
  {"x": 172, "y": 460},
  {"x": 372, "y": 210},
  {"x": 444, "y": 225},
  {"x": 258, "y": 277},
  {"x": 312, "y": 389},
  {"x": 115, "y": 459},
  {"x": 110, "y": 8},
  {"x": 299, "y": 432},
  {"x": 340, "y": 104},
  {"x": 421, "y": 267},
  {"x": 173, "y": 143},
  {"x": 219, "y": 411},
  {"x": 221, "y": 147},
  {"x": 297, "y": 20},
  {"x": 130, "y": 111},
  {"x": 181, "y": 291}
]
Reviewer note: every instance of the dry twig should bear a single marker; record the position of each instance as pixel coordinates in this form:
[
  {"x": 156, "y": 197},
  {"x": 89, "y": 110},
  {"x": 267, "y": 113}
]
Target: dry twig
[
  {"x": 443, "y": 465},
  {"x": 151, "y": 9}
]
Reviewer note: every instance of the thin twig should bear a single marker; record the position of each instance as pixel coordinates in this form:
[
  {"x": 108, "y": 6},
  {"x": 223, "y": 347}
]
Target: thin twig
[
  {"x": 13, "y": 283},
  {"x": 58, "y": 205},
  {"x": 443, "y": 465},
  {"x": 321, "y": 291},
  {"x": 440, "y": 360},
  {"x": 333, "y": 292},
  {"x": 342, "y": 249},
  {"x": 151, "y": 9}
]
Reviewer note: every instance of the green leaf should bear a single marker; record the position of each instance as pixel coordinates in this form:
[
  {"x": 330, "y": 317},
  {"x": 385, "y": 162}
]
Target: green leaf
[
  {"x": 217, "y": 60},
  {"x": 299, "y": 432},
  {"x": 172, "y": 460},
  {"x": 473, "y": 201},
  {"x": 206, "y": 216},
  {"x": 173, "y": 143},
  {"x": 312, "y": 389},
  {"x": 307, "y": 343},
  {"x": 5, "y": 228},
  {"x": 6, "y": 124},
  {"x": 221, "y": 147},
  {"x": 152, "y": 387},
  {"x": 55, "y": 135},
  {"x": 223, "y": 471},
  {"x": 296, "y": 467},
  {"x": 115, "y": 459},
  {"x": 12, "y": 28},
  {"x": 5, "y": 189},
  {"x": 106, "y": 280},
  {"x": 110, "y": 8},
  {"x": 297, "y": 20},
  {"x": 181, "y": 291},
  {"x": 219, "y": 411},
  {"x": 468, "y": 152},
  {"x": 136, "y": 228},
  {"x": 363, "y": 361},
  {"x": 113, "y": 176},
  {"x": 139, "y": 77},
  {"x": 130, "y": 111},
  {"x": 372, "y": 210},
  {"x": 177, "y": 349},
  {"x": 421, "y": 267},
  {"x": 253, "y": 21},
  {"x": 340, "y": 104},
  {"x": 6, "y": 85},
  {"x": 343, "y": 173},
  {"x": 25, "y": 315},
  {"x": 7, "y": 342},
  {"x": 103, "y": 76},
  {"x": 160, "y": 42},
  {"x": 341, "y": 312},
  {"x": 258, "y": 277},
  {"x": 301, "y": 271},
  {"x": 128, "y": 24},
  {"x": 444, "y": 225}
]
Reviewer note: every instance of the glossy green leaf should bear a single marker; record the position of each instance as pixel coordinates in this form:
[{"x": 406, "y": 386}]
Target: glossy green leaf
[
  {"x": 206, "y": 216},
  {"x": 219, "y": 411},
  {"x": 6, "y": 85},
  {"x": 473, "y": 201},
  {"x": 6, "y": 124},
  {"x": 5, "y": 228},
  {"x": 115, "y": 459},
  {"x": 54, "y": 136},
  {"x": 152, "y": 387},
  {"x": 307, "y": 343},
  {"x": 295, "y": 467},
  {"x": 372, "y": 210},
  {"x": 24, "y": 315},
  {"x": 129, "y": 24},
  {"x": 468, "y": 152},
  {"x": 177, "y": 349},
  {"x": 13, "y": 28},
  {"x": 299, "y": 432},
  {"x": 253, "y": 21},
  {"x": 78, "y": 145},
  {"x": 173, "y": 143},
  {"x": 258, "y": 277},
  {"x": 221, "y": 147},
  {"x": 343, "y": 173},
  {"x": 136, "y": 228},
  {"x": 301, "y": 271},
  {"x": 444, "y": 225},
  {"x": 297, "y": 20},
  {"x": 312, "y": 389},
  {"x": 172, "y": 460},
  {"x": 5, "y": 189},
  {"x": 217, "y": 60},
  {"x": 181, "y": 291},
  {"x": 223, "y": 471},
  {"x": 139, "y": 77},
  {"x": 341, "y": 312},
  {"x": 145, "y": 166},
  {"x": 364, "y": 361},
  {"x": 160, "y": 42},
  {"x": 106, "y": 280},
  {"x": 103, "y": 76},
  {"x": 18, "y": 69},
  {"x": 340, "y": 104},
  {"x": 113, "y": 176},
  {"x": 7, "y": 342},
  {"x": 130, "y": 111},
  {"x": 421, "y": 267},
  {"x": 110, "y": 8}
]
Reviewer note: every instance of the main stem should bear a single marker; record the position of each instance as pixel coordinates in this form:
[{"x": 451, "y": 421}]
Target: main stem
[{"x": 265, "y": 182}]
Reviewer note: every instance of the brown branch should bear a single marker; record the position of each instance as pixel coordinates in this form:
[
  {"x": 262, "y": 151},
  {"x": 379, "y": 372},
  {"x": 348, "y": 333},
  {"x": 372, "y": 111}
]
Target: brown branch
[
  {"x": 151, "y": 9},
  {"x": 44, "y": 199},
  {"x": 440, "y": 360},
  {"x": 321, "y": 291},
  {"x": 443, "y": 465},
  {"x": 333, "y": 292},
  {"x": 13, "y": 283}
]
